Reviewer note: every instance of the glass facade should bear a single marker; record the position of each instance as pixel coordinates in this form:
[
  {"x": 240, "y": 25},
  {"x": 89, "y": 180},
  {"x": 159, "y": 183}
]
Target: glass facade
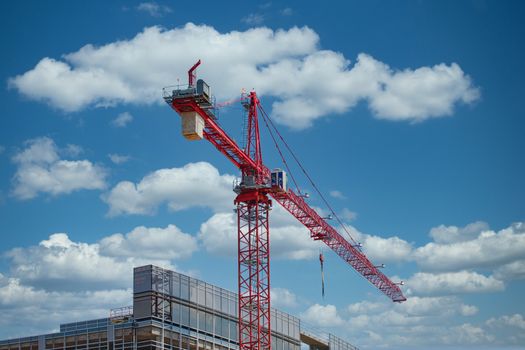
[
  {"x": 170, "y": 311},
  {"x": 200, "y": 307}
]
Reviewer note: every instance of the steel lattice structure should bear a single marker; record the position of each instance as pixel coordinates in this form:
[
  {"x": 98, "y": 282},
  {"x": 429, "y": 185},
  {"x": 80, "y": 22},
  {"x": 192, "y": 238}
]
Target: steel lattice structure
[
  {"x": 253, "y": 204},
  {"x": 254, "y": 270}
]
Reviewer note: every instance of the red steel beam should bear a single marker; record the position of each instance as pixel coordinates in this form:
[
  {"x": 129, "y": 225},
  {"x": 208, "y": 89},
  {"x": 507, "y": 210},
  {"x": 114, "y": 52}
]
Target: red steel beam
[{"x": 319, "y": 228}]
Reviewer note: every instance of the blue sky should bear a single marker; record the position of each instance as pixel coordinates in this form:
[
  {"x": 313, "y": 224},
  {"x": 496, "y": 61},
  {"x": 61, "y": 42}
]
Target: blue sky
[{"x": 407, "y": 115}]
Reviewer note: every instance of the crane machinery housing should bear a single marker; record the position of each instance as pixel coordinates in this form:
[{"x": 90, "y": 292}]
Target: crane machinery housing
[{"x": 194, "y": 103}]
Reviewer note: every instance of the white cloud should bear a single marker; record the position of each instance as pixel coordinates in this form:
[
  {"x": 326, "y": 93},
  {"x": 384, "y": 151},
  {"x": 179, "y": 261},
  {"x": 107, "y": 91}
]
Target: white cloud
[
  {"x": 287, "y": 11},
  {"x": 515, "y": 320},
  {"x": 428, "y": 306},
  {"x": 322, "y": 316},
  {"x": 218, "y": 234},
  {"x": 452, "y": 234},
  {"x": 118, "y": 159},
  {"x": 308, "y": 83},
  {"x": 57, "y": 261},
  {"x": 337, "y": 194},
  {"x": 512, "y": 271},
  {"x": 422, "y": 283},
  {"x": 418, "y": 323},
  {"x": 150, "y": 242},
  {"x": 467, "y": 334},
  {"x": 122, "y": 120},
  {"x": 283, "y": 298},
  {"x": 40, "y": 170},
  {"x": 414, "y": 307},
  {"x": 468, "y": 310},
  {"x": 386, "y": 249},
  {"x": 28, "y": 310},
  {"x": 154, "y": 9},
  {"x": 86, "y": 279},
  {"x": 366, "y": 307},
  {"x": 293, "y": 242},
  {"x": 253, "y": 19},
  {"x": 73, "y": 150},
  {"x": 288, "y": 240},
  {"x": 490, "y": 249},
  {"x": 2, "y": 149},
  {"x": 381, "y": 250},
  {"x": 347, "y": 214},
  {"x": 195, "y": 184}
]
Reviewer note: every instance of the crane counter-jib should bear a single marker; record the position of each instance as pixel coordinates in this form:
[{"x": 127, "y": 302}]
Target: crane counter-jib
[{"x": 218, "y": 137}]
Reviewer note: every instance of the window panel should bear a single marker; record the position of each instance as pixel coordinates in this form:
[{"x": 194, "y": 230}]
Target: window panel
[
  {"x": 193, "y": 318},
  {"x": 184, "y": 315},
  {"x": 209, "y": 299},
  {"x": 176, "y": 285},
  {"x": 184, "y": 288},
  {"x": 202, "y": 320},
  {"x": 224, "y": 328},
  {"x": 176, "y": 313},
  {"x": 193, "y": 291},
  {"x": 209, "y": 323},
  {"x": 217, "y": 322},
  {"x": 233, "y": 330}
]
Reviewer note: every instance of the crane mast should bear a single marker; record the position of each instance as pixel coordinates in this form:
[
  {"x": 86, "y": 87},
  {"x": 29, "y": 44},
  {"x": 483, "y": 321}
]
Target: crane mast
[{"x": 194, "y": 104}]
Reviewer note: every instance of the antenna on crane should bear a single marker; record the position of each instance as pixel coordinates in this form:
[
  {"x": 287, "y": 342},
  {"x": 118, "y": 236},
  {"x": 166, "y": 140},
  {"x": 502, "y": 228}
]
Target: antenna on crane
[{"x": 192, "y": 75}]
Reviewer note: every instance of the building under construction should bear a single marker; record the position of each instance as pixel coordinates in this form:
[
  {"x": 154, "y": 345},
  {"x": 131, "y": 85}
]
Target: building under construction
[{"x": 174, "y": 311}]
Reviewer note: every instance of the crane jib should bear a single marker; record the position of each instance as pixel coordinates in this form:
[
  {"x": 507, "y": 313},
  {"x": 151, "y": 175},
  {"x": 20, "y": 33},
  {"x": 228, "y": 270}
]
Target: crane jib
[
  {"x": 321, "y": 230},
  {"x": 186, "y": 101}
]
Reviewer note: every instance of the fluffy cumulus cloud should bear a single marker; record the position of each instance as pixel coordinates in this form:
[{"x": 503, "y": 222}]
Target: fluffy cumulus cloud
[
  {"x": 40, "y": 170},
  {"x": 86, "y": 279},
  {"x": 460, "y": 261},
  {"x": 515, "y": 320},
  {"x": 283, "y": 298},
  {"x": 153, "y": 243},
  {"x": 418, "y": 323},
  {"x": 195, "y": 184},
  {"x": 415, "y": 311},
  {"x": 308, "y": 83},
  {"x": 451, "y": 234},
  {"x": 422, "y": 283},
  {"x": 474, "y": 246},
  {"x": 511, "y": 271},
  {"x": 322, "y": 316},
  {"x": 380, "y": 249},
  {"x": 55, "y": 262},
  {"x": 289, "y": 240},
  {"x": 29, "y": 310}
]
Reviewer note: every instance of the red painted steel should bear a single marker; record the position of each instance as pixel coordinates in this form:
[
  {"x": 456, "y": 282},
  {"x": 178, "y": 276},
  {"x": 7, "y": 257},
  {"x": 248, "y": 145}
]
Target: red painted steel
[
  {"x": 254, "y": 270},
  {"x": 218, "y": 137},
  {"x": 318, "y": 227},
  {"x": 253, "y": 223},
  {"x": 192, "y": 75},
  {"x": 294, "y": 204},
  {"x": 253, "y": 206},
  {"x": 321, "y": 230}
]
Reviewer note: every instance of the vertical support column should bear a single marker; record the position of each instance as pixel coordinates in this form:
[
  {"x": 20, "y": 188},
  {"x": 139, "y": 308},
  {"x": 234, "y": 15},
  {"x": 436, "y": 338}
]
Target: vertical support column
[{"x": 254, "y": 270}]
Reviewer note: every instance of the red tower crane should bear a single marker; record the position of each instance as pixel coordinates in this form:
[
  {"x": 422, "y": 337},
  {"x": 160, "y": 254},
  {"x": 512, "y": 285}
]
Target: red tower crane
[{"x": 194, "y": 104}]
